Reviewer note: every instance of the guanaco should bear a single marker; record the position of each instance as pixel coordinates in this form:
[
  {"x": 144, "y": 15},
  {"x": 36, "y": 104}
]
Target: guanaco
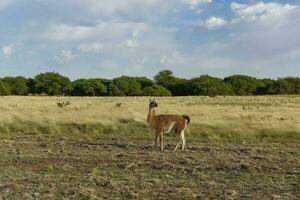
[{"x": 165, "y": 123}]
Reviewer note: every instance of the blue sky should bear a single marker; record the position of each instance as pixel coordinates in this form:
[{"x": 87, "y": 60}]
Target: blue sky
[{"x": 99, "y": 38}]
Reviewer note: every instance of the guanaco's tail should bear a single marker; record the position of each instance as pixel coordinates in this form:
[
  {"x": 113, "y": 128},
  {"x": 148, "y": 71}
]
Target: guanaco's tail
[{"x": 187, "y": 118}]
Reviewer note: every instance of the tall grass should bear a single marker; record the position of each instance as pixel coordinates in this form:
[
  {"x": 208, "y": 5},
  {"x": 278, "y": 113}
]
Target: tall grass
[{"x": 241, "y": 118}]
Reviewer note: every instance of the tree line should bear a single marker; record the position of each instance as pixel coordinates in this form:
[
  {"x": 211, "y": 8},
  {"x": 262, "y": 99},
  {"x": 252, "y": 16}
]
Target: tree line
[{"x": 164, "y": 84}]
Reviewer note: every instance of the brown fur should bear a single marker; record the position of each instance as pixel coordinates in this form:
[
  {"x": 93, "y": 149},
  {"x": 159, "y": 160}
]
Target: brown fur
[{"x": 165, "y": 123}]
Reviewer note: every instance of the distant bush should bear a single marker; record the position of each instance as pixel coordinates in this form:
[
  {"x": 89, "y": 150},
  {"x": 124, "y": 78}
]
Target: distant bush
[
  {"x": 4, "y": 89},
  {"x": 165, "y": 83},
  {"x": 17, "y": 85},
  {"x": 242, "y": 85},
  {"x": 52, "y": 83},
  {"x": 99, "y": 88},
  {"x": 129, "y": 86},
  {"x": 114, "y": 91},
  {"x": 89, "y": 87},
  {"x": 176, "y": 86},
  {"x": 210, "y": 86},
  {"x": 156, "y": 90},
  {"x": 263, "y": 86},
  {"x": 144, "y": 81},
  {"x": 281, "y": 86},
  {"x": 295, "y": 84}
]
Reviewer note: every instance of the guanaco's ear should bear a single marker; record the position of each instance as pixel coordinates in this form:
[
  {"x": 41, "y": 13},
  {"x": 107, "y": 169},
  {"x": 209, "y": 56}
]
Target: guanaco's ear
[{"x": 150, "y": 100}]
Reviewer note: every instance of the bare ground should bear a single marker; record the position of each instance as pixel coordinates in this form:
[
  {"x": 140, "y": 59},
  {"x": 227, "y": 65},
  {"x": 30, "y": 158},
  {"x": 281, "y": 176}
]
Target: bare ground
[{"x": 57, "y": 167}]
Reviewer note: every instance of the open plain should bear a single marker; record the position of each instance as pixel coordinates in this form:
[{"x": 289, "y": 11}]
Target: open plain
[{"x": 101, "y": 148}]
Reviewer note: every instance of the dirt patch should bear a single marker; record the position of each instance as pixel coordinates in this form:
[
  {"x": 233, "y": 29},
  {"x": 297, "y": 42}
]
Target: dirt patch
[{"x": 113, "y": 168}]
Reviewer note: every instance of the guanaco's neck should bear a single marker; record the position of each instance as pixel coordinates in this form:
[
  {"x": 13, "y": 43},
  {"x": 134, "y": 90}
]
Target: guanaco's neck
[{"x": 151, "y": 115}]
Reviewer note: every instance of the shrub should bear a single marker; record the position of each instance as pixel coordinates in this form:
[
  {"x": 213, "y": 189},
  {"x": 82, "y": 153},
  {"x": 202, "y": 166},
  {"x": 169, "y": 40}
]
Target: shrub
[
  {"x": 209, "y": 86},
  {"x": 114, "y": 91},
  {"x": 242, "y": 85},
  {"x": 128, "y": 85},
  {"x": 156, "y": 90},
  {"x": 18, "y": 85},
  {"x": 52, "y": 83},
  {"x": 4, "y": 89},
  {"x": 89, "y": 87}
]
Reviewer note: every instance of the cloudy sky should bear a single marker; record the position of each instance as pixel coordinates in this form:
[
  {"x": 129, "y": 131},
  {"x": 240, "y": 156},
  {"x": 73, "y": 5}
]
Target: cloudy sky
[{"x": 101, "y": 38}]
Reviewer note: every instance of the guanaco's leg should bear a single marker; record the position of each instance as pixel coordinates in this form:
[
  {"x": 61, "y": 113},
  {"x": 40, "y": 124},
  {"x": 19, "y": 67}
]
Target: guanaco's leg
[
  {"x": 156, "y": 138},
  {"x": 178, "y": 141},
  {"x": 183, "y": 139},
  {"x": 161, "y": 139}
]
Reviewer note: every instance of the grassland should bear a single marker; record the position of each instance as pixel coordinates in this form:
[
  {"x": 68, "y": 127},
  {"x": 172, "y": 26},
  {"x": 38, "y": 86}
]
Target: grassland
[{"x": 101, "y": 148}]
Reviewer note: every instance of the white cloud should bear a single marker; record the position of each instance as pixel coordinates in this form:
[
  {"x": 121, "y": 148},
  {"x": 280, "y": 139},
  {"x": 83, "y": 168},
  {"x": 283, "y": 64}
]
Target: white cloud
[
  {"x": 150, "y": 46},
  {"x": 7, "y": 50},
  {"x": 66, "y": 56},
  {"x": 271, "y": 30},
  {"x": 138, "y": 30},
  {"x": 262, "y": 12},
  {"x": 120, "y": 6},
  {"x": 134, "y": 40},
  {"x": 193, "y": 4},
  {"x": 124, "y": 9},
  {"x": 108, "y": 64},
  {"x": 212, "y": 23},
  {"x": 64, "y": 32},
  {"x": 131, "y": 43},
  {"x": 107, "y": 30},
  {"x": 137, "y": 34},
  {"x": 90, "y": 47},
  {"x": 5, "y": 3},
  {"x": 264, "y": 42},
  {"x": 109, "y": 68},
  {"x": 203, "y": 60},
  {"x": 132, "y": 9}
]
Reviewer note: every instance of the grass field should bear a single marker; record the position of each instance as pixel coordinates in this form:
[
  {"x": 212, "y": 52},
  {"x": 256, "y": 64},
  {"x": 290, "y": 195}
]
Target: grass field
[{"x": 101, "y": 148}]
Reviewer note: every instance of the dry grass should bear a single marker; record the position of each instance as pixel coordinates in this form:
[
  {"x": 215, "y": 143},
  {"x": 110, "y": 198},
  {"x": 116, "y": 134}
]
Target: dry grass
[
  {"x": 101, "y": 148},
  {"x": 219, "y": 117}
]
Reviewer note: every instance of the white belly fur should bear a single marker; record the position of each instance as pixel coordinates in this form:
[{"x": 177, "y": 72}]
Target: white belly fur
[{"x": 168, "y": 128}]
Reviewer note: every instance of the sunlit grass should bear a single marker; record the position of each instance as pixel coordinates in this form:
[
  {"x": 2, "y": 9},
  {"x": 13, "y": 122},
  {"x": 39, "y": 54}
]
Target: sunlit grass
[
  {"x": 101, "y": 148},
  {"x": 262, "y": 117}
]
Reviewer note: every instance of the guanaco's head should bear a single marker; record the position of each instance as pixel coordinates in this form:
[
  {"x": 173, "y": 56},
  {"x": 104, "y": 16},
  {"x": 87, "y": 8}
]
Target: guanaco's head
[{"x": 152, "y": 104}]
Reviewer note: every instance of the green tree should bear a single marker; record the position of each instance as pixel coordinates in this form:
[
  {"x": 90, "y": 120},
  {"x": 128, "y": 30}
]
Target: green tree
[
  {"x": 241, "y": 84},
  {"x": 18, "y": 85},
  {"x": 156, "y": 90},
  {"x": 31, "y": 86},
  {"x": 144, "y": 81},
  {"x": 181, "y": 87},
  {"x": 106, "y": 82},
  {"x": 52, "y": 83},
  {"x": 89, "y": 87},
  {"x": 280, "y": 86},
  {"x": 263, "y": 85},
  {"x": 83, "y": 87},
  {"x": 4, "y": 89},
  {"x": 128, "y": 85},
  {"x": 99, "y": 88},
  {"x": 177, "y": 86},
  {"x": 295, "y": 82},
  {"x": 166, "y": 78},
  {"x": 210, "y": 86},
  {"x": 113, "y": 90}
]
